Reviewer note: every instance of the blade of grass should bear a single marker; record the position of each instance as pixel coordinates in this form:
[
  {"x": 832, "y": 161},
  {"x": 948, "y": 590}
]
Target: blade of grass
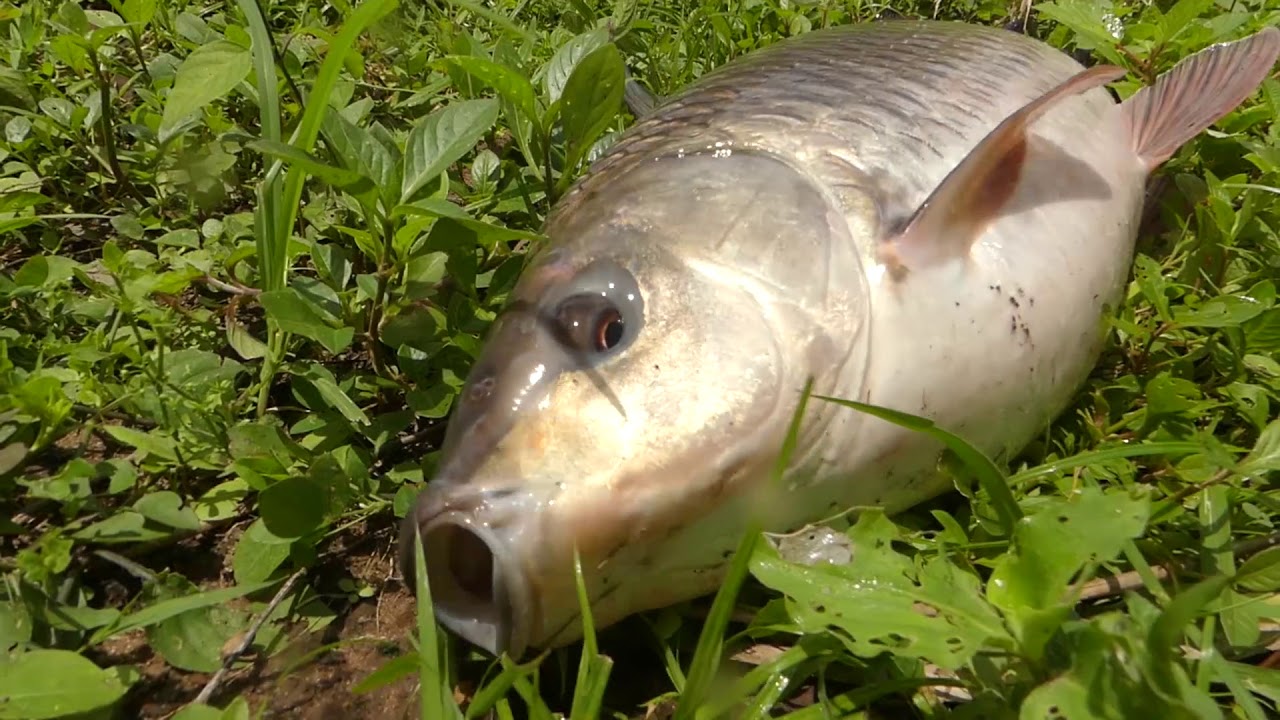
[
  {"x": 1100, "y": 456},
  {"x": 593, "y": 668},
  {"x": 313, "y": 115},
  {"x": 989, "y": 476},
  {"x": 494, "y": 17},
  {"x": 436, "y": 700},
  {"x": 267, "y": 219},
  {"x": 706, "y": 657}
]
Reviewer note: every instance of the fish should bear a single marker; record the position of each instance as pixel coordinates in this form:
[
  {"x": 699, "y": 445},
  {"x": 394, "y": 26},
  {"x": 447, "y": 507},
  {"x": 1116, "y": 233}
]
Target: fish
[{"x": 934, "y": 217}]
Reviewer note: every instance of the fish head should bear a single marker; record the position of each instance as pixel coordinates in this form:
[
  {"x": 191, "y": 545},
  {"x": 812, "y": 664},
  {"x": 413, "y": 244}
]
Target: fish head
[{"x": 629, "y": 387}]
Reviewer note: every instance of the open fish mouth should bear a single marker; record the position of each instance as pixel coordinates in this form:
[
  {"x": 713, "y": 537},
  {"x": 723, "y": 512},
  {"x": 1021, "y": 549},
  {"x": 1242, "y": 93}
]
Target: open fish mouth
[{"x": 478, "y": 586}]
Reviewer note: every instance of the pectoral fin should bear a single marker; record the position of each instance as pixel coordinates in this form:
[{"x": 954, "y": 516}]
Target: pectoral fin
[
  {"x": 1196, "y": 93},
  {"x": 972, "y": 194}
]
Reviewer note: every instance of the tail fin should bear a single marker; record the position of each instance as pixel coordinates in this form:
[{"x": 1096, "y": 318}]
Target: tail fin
[{"x": 1196, "y": 93}]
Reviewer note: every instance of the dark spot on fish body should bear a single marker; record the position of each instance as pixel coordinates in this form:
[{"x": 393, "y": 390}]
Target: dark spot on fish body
[{"x": 1013, "y": 301}]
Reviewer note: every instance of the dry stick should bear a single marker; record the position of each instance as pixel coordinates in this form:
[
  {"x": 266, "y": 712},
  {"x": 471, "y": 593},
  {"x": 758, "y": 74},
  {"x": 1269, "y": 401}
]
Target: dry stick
[
  {"x": 212, "y": 685},
  {"x": 1131, "y": 580}
]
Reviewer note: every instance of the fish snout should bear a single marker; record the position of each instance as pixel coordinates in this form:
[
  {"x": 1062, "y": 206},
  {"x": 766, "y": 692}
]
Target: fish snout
[{"x": 478, "y": 586}]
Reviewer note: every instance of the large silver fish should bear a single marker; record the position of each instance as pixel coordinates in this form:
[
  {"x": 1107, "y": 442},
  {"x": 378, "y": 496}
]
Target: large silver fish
[{"x": 928, "y": 216}]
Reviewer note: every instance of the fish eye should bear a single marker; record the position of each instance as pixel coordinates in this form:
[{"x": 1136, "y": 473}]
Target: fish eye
[
  {"x": 599, "y": 313},
  {"x": 590, "y": 323}
]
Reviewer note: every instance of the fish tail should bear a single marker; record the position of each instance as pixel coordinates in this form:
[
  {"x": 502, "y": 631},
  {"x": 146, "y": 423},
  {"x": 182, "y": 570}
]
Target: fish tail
[{"x": 1196, "y": 93}]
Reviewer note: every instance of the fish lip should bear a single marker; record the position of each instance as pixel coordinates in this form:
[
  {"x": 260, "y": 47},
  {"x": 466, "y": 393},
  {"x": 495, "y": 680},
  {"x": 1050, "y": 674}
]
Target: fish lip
[{"x": 499, "y": 619}]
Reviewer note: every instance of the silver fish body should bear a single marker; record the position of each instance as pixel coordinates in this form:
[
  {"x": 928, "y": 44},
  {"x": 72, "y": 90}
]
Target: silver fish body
[{"x": 727, "y": 249}]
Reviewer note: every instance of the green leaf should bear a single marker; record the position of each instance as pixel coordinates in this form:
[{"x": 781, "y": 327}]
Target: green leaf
[
  {"x": 165, "y": 507},
  {"x": 54, "y": 683},
  {"x": 147, "y": 443},
  {"x": 292, "y": 507},
  {"x": 193, "y": 640},
  {"x": 222, "y": 501},
  {"x": 508, "y": 83},
  {"x": 1087, "y": 23},
  {"x": 258, "y": 554},
  {"x": 345, "y": 180},
  {"x": 138, "y": 12},
  {"x": 360, "y": 152},
  {"x": 121, "y": 528},
  {"x": 1265, "y": 455},
  {"x": 207, "y": 74},
  {"x": 1261, "y": 573},
  {"x": 566, "y": 58},
  {"x": 591, "y": 100},
  {"x": 933, "y": 611},
  {"x": 1050, "y": 548},
  {"x": 441, "y": 138},
  {"x": 295, "y": 314},
  {"x": 173, "y": 607},
  {"x": 1219, "y": 312},
  {"x": 334, "y": 395}
]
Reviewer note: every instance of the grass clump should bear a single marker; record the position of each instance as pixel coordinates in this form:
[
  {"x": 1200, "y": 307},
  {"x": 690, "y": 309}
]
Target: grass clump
[{"x": 250, "y": 249}]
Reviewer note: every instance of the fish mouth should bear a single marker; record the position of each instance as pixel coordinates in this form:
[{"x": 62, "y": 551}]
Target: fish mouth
[{"x": 478, "y": 588}]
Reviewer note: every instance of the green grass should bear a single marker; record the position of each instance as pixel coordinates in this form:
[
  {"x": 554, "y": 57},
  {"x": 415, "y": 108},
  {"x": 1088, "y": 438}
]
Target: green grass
[{"x": 247, "y": 254}]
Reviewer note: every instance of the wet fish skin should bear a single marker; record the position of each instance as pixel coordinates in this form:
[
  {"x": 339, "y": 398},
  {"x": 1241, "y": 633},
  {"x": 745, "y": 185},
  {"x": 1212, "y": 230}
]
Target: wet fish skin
[{"x": 740, "y": 232}]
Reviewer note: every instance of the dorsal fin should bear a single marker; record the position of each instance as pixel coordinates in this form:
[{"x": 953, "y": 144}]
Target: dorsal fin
[
  {"x": 957, "y": 211},
  {"x": 1196, "y": 93}
]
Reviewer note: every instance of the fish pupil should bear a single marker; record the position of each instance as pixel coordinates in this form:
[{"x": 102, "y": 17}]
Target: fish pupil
[{"x": 610, "y": 332}]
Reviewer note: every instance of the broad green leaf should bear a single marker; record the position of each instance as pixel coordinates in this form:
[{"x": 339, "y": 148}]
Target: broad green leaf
[
  {"x": 1265, "y": 455},
  {"x": 297, "y": 315},
  {"x": 138, "y": 12},
  {"x": 54, "y": 683},
  {"x": 221, "y": 501},
  {"x": 14, "y": 89},
  {"x": 1261, "y": 573},
  {"x": 166, "y": 508},
  {"x": 121, "y": 528},
  {"x": 933, "y": 611},
  {"x": 258, "y": 554},
  {"x": 148, "y": 443},
  {"x": 508, "y": 83},
  {"x": 566, "y": 58},
  {"x": 207, "y": 74},
  {"x": 361, "y": 152},
  {"x": 193, "y": 640},
  {"x": 292, "y": 507},
  {"x": 172, "y": 607},
  {"x": 1088, "y": 22},
  {"x": 1051, "y": 547},
  {"x": 15, "y": 625},
  {"x": 1225, "y": 311},
  {"x": 591, "y": 100},
  {"x": 338, "y": 399},
  {"x": 441, "y": 138}
]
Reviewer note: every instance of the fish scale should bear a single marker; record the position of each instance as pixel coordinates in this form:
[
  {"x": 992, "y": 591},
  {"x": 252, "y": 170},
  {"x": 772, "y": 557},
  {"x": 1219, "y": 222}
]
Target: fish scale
[{"x": 801, "y": 97}]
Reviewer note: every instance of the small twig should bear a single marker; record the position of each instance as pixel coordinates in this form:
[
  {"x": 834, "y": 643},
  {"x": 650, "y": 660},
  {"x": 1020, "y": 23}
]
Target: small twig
[
  {"x": 1119, "y": 584},
  {"x": 1124, "y": 582},
  {"x": 231, "y": 657},
  {"x": 234, "y": 289},
  {"x": 127, "y": 565}
]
